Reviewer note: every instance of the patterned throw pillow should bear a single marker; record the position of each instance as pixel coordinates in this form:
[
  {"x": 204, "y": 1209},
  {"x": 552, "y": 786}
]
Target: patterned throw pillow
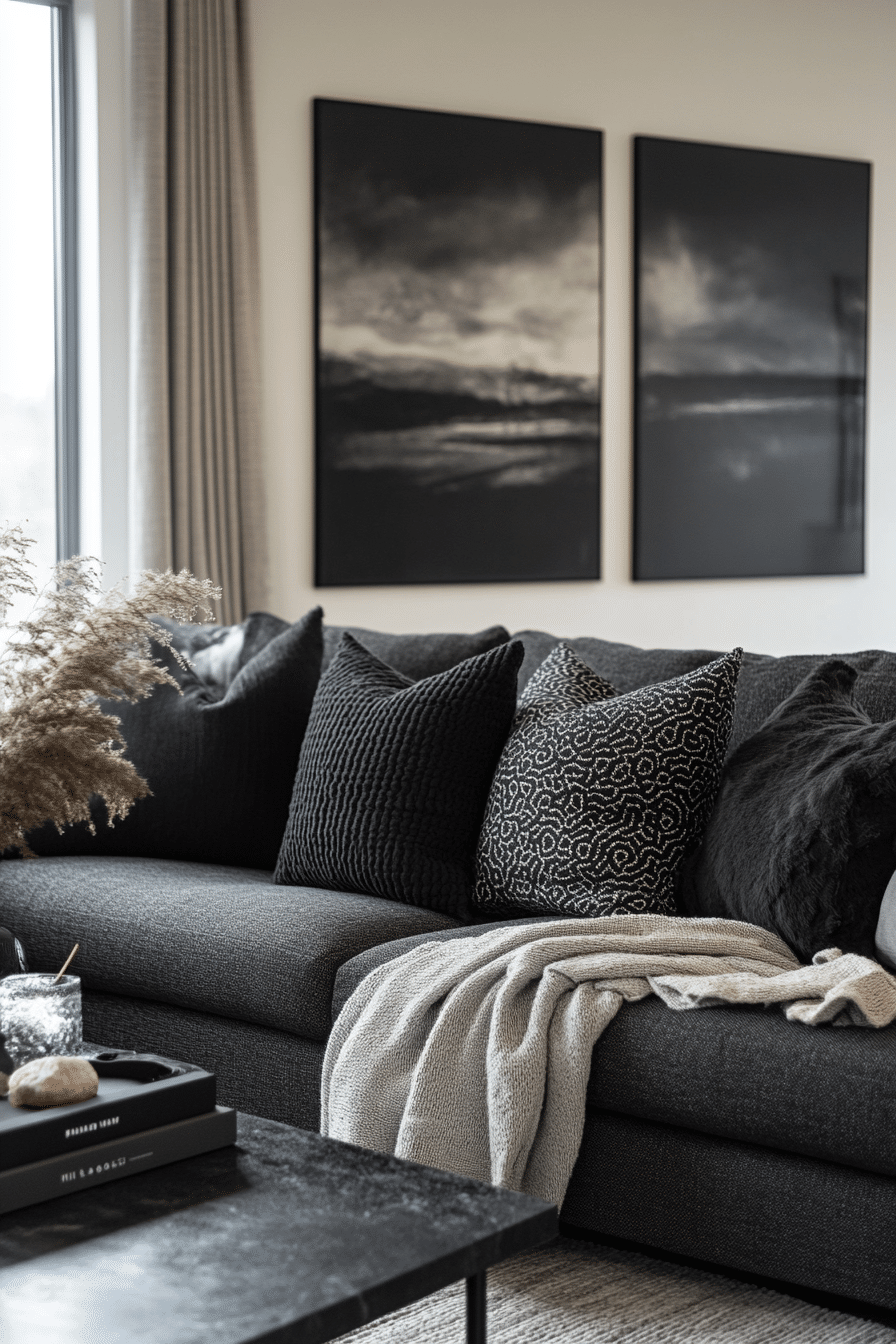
[
  {"x": 393, "y": 777},
  {"x": 598, "y": 798}
]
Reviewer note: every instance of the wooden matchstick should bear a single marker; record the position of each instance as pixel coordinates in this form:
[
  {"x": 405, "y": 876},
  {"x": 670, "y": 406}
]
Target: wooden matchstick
[{"x": 68, "y": 963}]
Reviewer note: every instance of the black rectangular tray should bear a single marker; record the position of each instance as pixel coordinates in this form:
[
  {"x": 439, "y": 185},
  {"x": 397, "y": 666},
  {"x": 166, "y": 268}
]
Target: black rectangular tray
[{"x": 136, "y": 1092}]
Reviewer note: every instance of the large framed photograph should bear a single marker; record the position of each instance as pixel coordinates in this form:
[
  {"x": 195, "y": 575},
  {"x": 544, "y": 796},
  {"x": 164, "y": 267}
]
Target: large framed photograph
[
  {"x": 458, "y": 347},
  {"x": 750, "y": 301}
]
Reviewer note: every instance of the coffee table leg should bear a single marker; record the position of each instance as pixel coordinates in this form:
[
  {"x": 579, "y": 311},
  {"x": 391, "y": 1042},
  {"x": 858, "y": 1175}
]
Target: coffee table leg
[{"x": 476, "y": 1308}]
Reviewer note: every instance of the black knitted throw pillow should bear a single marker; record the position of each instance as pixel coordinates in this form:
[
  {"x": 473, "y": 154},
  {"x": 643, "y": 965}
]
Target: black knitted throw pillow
[
  {"x": 802, "y": 839},
  {"x": 597, "y": 801},
  {"x": 393, "y": 777},
  {"x": 220, "y": 761}
]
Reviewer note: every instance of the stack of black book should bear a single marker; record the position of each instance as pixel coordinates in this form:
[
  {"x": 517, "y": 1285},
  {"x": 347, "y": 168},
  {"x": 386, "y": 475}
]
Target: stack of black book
[{"x": 148, "y": 1111}]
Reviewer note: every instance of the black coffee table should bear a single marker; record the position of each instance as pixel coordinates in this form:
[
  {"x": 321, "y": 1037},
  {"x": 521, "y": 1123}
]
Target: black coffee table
[{"x": 285, "y": 1238}]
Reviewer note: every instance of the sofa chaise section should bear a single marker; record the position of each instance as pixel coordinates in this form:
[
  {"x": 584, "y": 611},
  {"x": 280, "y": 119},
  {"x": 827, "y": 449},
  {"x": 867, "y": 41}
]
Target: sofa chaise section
[{"x": 734, "y": 1136}]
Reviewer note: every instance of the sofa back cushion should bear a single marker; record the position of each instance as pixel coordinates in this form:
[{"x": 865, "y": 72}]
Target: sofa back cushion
[
  {"x": 763, "y": 684},
  {"x": 417, "y": 656},
  {"x": 220, "y": 765},
  {"x": 219, "y": 652}
]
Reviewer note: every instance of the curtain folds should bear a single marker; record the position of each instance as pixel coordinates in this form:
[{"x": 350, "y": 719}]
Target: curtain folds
[{"x": 194, "y": 470}]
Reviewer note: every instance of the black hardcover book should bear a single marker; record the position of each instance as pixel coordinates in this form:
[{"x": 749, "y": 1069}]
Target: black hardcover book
[
  {"x": 66, "y": 1173},
  {"x": 136, "y": 1092}
]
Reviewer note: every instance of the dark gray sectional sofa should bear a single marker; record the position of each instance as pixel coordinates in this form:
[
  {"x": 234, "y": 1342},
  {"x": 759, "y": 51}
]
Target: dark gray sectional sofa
[{"x": 730, "y": 1135}]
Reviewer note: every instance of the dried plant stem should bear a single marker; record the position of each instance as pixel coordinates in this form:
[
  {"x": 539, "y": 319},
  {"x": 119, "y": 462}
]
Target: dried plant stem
[
  {"x": 58, "y": 745},
  {"x": 68, "y": 961}
]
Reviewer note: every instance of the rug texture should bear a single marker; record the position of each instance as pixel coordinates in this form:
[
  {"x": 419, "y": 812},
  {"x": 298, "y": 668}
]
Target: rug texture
[{"x": 576, "y": 1292}]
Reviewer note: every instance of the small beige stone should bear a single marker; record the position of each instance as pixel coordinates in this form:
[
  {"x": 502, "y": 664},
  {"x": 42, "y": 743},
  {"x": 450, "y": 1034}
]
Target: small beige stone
[{"x": 57, "y": 1080}]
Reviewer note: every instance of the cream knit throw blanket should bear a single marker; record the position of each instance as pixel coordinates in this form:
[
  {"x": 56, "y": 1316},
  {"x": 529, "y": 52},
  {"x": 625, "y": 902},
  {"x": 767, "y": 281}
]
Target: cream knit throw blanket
[{"x": 473, "y": 1055}]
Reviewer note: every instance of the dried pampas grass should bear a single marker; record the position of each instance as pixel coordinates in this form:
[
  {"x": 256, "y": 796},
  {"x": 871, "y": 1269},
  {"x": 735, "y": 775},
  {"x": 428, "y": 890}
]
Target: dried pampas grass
[{"x": 57, "y": 747}]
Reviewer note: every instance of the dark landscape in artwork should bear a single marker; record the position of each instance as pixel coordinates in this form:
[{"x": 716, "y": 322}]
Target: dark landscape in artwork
[
  {"x": 751, "y": 295},
  {"x": 458, "y": 400}
]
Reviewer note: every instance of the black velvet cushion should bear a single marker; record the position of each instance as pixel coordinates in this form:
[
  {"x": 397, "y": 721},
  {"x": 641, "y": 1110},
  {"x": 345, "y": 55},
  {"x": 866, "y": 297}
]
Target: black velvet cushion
[
  {"x": 417, "y": 656},
  {"x": 393, "y": 777},
  {"x": 801, "y": 840},
  {"x": 595, "y": 805},
  {"x": 221, "y": 767}
]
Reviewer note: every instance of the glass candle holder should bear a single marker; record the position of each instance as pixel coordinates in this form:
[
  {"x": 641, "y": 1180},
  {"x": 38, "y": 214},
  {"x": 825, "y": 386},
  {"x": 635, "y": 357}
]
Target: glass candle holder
[{"x": 39, "y": 1017}]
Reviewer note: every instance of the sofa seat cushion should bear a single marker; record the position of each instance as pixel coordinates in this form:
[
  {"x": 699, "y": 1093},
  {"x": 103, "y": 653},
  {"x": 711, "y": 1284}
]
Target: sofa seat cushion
[
  {"x": 199, "y": 936},
  {"x": 747, "y": 1073},
  {"x": 736, "y": 1072}
]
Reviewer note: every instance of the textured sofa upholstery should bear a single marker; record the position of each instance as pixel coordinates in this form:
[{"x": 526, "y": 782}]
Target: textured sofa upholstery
[
  {"x": 734, "y": 1072},
  {"x": 729, "y": 1134}
]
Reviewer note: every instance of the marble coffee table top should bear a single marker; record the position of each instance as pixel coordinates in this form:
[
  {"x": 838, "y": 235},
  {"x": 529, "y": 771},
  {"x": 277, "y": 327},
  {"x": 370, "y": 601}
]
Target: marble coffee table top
[{"x": 287, "y": 1237}]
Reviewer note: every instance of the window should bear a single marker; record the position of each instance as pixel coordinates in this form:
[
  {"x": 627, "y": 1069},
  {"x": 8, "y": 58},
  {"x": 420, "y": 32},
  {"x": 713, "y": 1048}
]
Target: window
[{"x": 38, "y": 269}]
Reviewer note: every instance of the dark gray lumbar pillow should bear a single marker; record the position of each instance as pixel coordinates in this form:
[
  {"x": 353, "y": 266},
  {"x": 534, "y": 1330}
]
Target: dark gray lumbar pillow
[
  {"x": 220, "y": 766},
  {"x": 393, "y": 777},
  {"x": 598, "y": 798},
  {"x": 801, "y": 840}
]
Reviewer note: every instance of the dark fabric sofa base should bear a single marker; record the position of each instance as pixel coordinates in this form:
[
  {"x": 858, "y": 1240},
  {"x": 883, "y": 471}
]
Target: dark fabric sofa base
[
  {"x": 815, "y": 1224},
  {"x": 259, "y": 1069},
  {"x": 739, "y": 1073}
]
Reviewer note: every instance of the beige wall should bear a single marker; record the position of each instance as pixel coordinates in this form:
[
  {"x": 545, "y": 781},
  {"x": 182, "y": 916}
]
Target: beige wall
[{"x": 813, "y": 76}]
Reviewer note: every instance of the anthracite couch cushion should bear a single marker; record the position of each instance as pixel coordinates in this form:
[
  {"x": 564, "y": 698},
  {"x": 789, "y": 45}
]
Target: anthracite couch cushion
[
  {"x": 221, "y": 766},
  {"x": 205, "y": 937},
  {"x": 417, "y": 656},
  {"x": 393, "y": 777},
  {"x": 763, "y": 683},
  {"x": 595, "y": 806},
  {"x": 802, "y": 839},
  {"x": 736, "y": 1072}
]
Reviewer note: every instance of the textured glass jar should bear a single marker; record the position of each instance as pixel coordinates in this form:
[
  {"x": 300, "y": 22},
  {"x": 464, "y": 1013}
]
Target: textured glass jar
[{"x": 40, "y": 1018}]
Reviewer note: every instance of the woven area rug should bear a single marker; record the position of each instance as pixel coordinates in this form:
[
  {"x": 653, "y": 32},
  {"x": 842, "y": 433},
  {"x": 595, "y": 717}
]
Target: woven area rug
[{"x": 577, "y": 1292}]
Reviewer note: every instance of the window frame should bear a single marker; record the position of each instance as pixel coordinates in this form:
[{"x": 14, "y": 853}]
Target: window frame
[{"x": 65, "y": 266}]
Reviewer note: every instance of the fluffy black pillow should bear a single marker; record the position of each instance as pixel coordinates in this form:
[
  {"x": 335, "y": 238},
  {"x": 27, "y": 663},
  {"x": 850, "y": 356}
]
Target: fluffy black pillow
[
  {"x": 596, "y": 799},
  {"x": 393, "y": 777},
  {"x": 221, "y": 767},
  {"x": 801, "y": 840}
]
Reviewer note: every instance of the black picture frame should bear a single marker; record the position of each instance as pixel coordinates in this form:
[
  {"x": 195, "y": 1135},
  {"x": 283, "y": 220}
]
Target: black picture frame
[
  {"x": 750, "y": 300},
  {"x": 458, "y": 353}
]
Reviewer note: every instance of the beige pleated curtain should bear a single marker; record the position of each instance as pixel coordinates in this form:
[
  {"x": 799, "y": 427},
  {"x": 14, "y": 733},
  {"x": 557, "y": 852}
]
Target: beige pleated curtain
[{"x": 194, "y": 471}]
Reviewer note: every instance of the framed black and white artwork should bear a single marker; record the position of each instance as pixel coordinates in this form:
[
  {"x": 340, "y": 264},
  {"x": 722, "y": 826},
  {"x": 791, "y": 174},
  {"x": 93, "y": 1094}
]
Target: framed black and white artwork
[
  {"x": 458, "y": 347},
  {"x": 751, "y": 275}
]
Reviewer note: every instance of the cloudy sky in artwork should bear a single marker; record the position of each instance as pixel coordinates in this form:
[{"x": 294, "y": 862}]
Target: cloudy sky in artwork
[
  {"x": 465, "y": 240},
  {"x": 749, "y": 261}
]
